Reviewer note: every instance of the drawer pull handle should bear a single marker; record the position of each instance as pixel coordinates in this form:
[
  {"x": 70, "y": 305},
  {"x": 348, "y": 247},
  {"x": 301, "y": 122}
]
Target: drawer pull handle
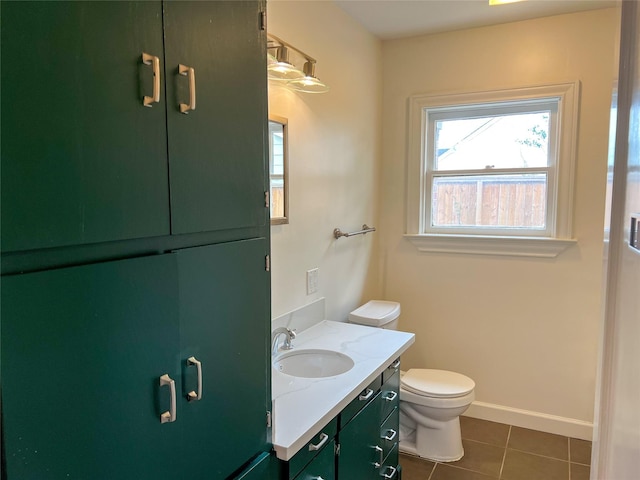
[
  {"x": 323, "y": 439},
  {"x": 155, "y": 63},
  {"x": 390, "y": 396},
  {"x": 395, "y": 364},
  {"x": 193, "y": 395},
  {"x": 169, "y": 415},
  {"x": 380, "y": 452},
  {"x": 368, "y": 393},
  {"x": 317, "y": 478},
  {"x": 190, "y": 73},
  {"x": 389, "y": 475},
  {"x": 391, "y": 434}
]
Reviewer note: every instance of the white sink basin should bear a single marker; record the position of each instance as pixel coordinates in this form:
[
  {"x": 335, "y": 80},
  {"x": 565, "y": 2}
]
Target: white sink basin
[{"x": 313, "y": 363}]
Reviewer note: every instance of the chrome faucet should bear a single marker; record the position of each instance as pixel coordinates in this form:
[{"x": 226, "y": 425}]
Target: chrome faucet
[{"x": 286, "y": 345}]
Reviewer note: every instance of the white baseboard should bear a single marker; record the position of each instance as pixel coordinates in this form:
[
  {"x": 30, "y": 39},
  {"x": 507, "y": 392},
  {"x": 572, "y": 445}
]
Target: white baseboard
[{"x": 568, "y": 427}]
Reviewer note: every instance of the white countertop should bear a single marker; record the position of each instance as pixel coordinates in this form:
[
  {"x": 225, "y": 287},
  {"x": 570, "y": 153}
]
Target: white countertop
[{"x": 303, "y": 406}]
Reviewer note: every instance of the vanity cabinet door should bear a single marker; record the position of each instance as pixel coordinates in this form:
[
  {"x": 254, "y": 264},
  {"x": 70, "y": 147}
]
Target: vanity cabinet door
[
  {"x": 83, "y": 349},
  {"x": 224, "y": 325},
  {"x": 83, "y": 161},
  {"x": 359, "y": 458},
  {"x": 217, "y": 150}
]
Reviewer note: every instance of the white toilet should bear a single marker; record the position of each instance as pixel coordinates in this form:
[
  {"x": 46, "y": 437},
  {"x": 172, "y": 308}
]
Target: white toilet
[{"x": 431, "y": 401}]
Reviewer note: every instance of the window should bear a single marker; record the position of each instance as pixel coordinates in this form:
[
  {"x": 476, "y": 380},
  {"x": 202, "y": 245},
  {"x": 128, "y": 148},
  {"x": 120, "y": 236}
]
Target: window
[{"x": 492, "y": 172}]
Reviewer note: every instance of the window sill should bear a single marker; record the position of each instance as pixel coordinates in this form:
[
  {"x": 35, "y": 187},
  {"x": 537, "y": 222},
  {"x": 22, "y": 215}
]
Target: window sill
[{"x": 543, "y": 247}]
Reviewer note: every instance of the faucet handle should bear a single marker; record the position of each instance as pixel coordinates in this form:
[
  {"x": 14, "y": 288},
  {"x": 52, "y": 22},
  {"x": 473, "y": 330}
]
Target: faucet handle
[{"x": 290, "y": 335}]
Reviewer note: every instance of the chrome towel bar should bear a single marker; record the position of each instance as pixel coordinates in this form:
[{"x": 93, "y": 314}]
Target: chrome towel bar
[{"x": 365, "y": 229}]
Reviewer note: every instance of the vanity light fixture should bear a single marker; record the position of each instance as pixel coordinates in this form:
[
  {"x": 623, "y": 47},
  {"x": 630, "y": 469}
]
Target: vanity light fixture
[
  {"x": 283, "y": 69},
  {"x": 309, "y": 83},
  {"x": 282, "y": 61}
]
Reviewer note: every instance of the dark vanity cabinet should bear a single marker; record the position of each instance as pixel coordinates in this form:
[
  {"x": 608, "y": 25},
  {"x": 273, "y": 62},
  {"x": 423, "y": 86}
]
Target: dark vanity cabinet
[
  {"x": 361, "y": 443},
  {"x": 135, "y": 239},
  {"x": 369, "y": 439}
]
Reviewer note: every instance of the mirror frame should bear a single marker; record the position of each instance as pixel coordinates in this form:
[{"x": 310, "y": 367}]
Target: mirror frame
[{"x": 285, "y": 165}]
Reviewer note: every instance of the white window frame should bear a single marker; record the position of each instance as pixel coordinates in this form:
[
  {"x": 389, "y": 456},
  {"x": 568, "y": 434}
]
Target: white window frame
[{"x": 548, "y": 243}]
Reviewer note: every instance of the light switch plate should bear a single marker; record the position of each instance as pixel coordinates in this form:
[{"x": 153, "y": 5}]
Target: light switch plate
[{"x": 312, "y": 281}]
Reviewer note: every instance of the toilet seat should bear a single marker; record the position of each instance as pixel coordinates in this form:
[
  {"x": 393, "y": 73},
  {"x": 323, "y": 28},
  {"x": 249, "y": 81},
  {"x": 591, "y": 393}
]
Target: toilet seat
[{"x": 436, "y": 383}]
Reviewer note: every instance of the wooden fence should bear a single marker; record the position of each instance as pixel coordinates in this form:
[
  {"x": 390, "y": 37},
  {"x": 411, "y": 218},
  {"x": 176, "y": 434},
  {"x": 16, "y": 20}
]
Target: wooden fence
[{"x": 489, "y": 202}]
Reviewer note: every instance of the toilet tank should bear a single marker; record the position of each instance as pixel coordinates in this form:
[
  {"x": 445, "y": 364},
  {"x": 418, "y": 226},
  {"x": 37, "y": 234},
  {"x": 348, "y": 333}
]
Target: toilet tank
[{"x": 377, "y": 313}]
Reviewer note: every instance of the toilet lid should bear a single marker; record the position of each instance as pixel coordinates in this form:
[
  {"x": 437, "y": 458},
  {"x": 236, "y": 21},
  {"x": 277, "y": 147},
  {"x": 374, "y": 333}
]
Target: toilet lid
[{"x": 436, "y": 383}]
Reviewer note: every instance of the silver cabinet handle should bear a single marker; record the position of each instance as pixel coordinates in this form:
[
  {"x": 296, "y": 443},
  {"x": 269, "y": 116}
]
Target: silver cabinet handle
[
  {"x": 193, "y": 395},
  {"x": 323, "y": 439},
  {"x": 395, "y": 364},
  {"x": 368, "y": 393},
  {"x": 169, "y": 415},
  {"x": 191, "y": 76},
  {"x": 155, "y": 62},
  {"x": 391, "y": 434},
  {"x": 381, "y": 453},
  {"x": 390, "y": 396},
  {"x": 389, "y": 475}
]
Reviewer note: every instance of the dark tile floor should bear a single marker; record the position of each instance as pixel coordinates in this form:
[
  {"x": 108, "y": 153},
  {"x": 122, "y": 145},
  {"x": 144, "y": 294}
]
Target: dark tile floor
[{"x": 498, "y": 451}]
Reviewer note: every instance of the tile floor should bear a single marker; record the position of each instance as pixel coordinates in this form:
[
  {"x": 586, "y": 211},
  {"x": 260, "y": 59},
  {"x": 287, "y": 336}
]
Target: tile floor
[{"x": 498, "y": 451}]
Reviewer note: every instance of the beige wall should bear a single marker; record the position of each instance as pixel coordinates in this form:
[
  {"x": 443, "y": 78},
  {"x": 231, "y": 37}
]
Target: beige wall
[
  {"x": 335, "y": 149},
  {"x": 526, "y": 330}
]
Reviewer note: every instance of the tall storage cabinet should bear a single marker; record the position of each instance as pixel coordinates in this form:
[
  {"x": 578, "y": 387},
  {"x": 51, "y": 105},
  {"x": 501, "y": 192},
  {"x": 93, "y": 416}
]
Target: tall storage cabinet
[{"x": 142, "y": 236}]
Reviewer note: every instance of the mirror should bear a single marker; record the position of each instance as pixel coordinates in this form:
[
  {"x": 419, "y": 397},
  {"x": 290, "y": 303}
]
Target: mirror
[{"x": 278, "y": 170}]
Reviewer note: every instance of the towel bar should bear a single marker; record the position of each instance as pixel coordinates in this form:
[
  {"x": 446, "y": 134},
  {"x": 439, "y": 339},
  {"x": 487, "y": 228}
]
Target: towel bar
[{"x": 337, "y": 233}]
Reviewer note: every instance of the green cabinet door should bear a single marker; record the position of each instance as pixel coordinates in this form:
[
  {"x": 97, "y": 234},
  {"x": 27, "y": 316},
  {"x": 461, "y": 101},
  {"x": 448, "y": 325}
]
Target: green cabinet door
[
  {"x": 83, "y": 160},
  {"x": 82, "y": 352},
  {"x": 217, "y": 151},
  {"x": 360, "y": 454},
  {"x": 224, "y": 324}
]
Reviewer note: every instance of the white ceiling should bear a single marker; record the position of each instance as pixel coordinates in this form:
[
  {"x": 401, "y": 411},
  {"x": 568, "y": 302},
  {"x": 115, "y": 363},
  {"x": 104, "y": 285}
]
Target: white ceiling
[{"x": 389, "y": 19}]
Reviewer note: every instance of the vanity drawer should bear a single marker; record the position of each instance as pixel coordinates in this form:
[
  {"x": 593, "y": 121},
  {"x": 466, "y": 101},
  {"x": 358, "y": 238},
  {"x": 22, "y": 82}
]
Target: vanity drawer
[
  {"x": 390, "y": 395},
  {"x": 358, "y": 403},
  {"x": 322, "y": 466},
  {"x": 390, "y": 469},
  {"x": 322, "y": 441},
  {"x": 389, "y": 433},
  {"x": 391, "y": 370}
]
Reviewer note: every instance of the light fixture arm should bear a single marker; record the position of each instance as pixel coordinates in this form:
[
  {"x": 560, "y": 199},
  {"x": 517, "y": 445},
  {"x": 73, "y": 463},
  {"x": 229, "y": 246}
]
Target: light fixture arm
[{"x": 278, "y": 43}]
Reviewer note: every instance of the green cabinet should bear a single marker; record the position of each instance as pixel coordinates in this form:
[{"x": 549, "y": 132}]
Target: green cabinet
[
  {"x": 82, "y": 352},
  {"x": 364, "y": 437},
  {"x": 216, "y": 152},
  {"x": 305, "y": 459},
  {"x": 83, "y": 349},
  {"x": 224, "y": 324},
  {"x": 322, "y": 466},
  {"x": 88, "y": 171},
  {"x": 369, "y": 440},
  {"x": 263, "y": 467},
  {"x": 84, "y": 161}
]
